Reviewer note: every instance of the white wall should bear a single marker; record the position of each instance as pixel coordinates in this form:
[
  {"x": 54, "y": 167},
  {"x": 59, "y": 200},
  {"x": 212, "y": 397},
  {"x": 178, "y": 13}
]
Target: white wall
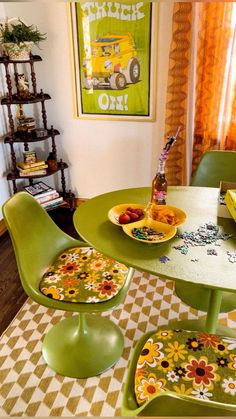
[{"x": 103, "y": 155}]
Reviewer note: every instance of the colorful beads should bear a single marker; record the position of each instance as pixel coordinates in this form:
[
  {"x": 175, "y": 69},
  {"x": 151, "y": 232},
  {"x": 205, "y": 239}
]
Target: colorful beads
[{"x": 147, "y": 233}]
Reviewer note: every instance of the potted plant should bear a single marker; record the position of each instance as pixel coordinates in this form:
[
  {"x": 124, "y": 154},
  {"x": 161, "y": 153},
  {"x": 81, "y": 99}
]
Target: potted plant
[{"x": 18, "y": 38}]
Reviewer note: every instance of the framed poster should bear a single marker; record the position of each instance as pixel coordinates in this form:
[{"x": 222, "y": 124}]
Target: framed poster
[{"x": 114, "y": 57}]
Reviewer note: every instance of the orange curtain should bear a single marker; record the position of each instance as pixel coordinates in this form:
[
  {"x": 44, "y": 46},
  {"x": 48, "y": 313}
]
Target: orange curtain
[
  {"x": 230, "y": 140},
  {"x": 177, "y": 91},
  {"x": 214, "y": 77}
]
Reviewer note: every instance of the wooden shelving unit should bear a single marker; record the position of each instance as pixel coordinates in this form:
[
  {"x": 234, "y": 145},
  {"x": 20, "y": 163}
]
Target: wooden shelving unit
[{"x": 15, "y": 137}]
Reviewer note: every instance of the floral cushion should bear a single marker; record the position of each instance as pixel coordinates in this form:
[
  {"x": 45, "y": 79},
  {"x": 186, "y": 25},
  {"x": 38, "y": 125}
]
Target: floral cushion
[
  {"x": 83, "y": 275},
  {"x": 196, "y": 364}
]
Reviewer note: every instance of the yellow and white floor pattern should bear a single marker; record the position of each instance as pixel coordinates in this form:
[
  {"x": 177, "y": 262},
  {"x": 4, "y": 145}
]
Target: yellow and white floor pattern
[{"x": 29, "y": 388}]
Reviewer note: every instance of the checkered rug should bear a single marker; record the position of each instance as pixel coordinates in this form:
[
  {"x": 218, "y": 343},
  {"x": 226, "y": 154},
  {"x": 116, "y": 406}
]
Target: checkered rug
[{"x": 29, "y": 388}]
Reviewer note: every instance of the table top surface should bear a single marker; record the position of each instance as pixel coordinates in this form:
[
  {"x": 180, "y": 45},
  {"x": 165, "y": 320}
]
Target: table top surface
[{"x": 196, "y": 266}]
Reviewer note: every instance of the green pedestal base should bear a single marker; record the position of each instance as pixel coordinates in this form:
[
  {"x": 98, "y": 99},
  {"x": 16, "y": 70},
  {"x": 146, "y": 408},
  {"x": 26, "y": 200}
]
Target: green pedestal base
[
  {"x": 198, "y": 297},
  {"x": 82, "y": 347}
]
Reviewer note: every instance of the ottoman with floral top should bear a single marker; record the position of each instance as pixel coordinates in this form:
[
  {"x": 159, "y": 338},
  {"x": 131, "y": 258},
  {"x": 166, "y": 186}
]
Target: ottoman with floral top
[
  {"x": 195, "y": 364},
  {"x": 83, "y": 275}
]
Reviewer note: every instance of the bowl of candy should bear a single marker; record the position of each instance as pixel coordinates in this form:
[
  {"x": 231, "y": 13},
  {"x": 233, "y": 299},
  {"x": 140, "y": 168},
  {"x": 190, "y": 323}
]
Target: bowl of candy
[
  {"x": 167, "y": 214},
  {"x": 149, "y": 231},
  {"x": 126, "y": 213}
]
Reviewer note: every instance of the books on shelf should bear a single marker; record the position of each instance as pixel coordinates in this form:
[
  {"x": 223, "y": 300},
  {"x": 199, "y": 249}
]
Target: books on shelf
[
  {"x": 32, "y": 169},
  {"x": 46, "y": 196},
  {"x": 25, "y": 166},
  {"x": 34, "y": 173},
  {"x": 52, "y": 203}
]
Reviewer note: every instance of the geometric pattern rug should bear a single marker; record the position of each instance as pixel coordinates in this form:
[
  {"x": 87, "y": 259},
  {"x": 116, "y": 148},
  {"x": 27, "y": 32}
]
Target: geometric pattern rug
[{"x": 28, "y": 387}]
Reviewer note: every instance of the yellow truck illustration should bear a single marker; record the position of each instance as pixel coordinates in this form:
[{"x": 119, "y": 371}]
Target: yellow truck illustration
[{"x": 111, "y": 62}]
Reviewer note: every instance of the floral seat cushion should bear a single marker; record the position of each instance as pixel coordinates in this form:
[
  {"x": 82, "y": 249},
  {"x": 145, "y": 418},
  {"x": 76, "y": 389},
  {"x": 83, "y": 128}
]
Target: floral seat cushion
[
  {"x": 83, "y": 275},
  {"x": 196, "y": 364}
]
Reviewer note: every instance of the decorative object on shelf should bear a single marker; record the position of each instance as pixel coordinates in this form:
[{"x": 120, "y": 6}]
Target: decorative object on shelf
[
  {"x": 28, "y": 133},
  {"x": 115, "y": 59},
  {"x": 26, "y": 125},
  {"x": 23, "y": 87},
  {"x": 30, "y": 157},
  {"x": 17, "y": 39},
  {"x": 159, "y": 183},
  {"x": 40, "y": 132},
  {"x": 20, "y": 116},
  {"x": 29, "y": 124},
  {"x": 52, "y": 161}
]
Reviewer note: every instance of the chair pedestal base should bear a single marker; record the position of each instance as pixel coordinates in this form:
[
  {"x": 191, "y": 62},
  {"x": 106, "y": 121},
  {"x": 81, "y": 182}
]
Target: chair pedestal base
[{"x": 80, "y": 349}]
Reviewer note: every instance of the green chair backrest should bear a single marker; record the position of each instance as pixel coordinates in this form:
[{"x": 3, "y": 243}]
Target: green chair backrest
[
  {"x": 214, "y": 166},
  {"x": 35, "y": 237}
]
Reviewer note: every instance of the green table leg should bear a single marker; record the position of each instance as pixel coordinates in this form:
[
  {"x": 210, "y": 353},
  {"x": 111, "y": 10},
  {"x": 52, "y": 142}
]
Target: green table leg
[
  {"x": 211, "y": 324},
  {"x": 213, "y": 310}
]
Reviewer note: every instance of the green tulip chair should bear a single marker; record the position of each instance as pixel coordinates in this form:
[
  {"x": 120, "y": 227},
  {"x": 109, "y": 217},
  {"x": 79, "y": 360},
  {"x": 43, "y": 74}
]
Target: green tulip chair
[{"x": 82, "y": 345}]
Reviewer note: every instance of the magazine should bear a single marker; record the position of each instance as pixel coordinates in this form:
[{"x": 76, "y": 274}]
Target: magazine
[{"x": 37, "y": 188}]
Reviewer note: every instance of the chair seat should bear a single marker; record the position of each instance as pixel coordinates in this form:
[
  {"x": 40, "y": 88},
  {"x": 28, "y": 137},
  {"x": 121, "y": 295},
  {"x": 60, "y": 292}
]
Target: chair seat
[
  {"x": 189, "y": 364},
  {"x": 83, "y": 275}
]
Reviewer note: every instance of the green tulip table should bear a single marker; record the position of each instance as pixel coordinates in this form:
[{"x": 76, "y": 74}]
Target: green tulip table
[{"x": 211, "y": 265}]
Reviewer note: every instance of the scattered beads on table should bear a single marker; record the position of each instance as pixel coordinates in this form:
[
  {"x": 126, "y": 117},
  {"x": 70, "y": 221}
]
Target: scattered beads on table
[{"x": 147, "y": 233}]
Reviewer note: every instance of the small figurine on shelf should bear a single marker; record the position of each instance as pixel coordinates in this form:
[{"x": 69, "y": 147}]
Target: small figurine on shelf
[
  {"x": 26, "y": 125},
  {"x": 20, "y": 116},
  {"x": 23, "y": 87},
  {"x": 159, "y": 183}
]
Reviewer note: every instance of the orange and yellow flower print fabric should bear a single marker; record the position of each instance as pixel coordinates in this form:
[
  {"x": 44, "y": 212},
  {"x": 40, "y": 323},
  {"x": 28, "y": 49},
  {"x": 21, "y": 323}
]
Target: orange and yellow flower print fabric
[
  {"x": 83, "y": 275},
  {"x": 194, "y": 364}
]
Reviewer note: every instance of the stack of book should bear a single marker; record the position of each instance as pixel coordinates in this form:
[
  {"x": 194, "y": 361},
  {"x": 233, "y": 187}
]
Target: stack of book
[
  {"x": 46, "y": 196},
  {"x": 32, "y": 169}
]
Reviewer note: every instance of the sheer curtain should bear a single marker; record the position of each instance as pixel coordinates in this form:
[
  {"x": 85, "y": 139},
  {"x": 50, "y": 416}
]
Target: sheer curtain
[{"x": 214, "y": 73}]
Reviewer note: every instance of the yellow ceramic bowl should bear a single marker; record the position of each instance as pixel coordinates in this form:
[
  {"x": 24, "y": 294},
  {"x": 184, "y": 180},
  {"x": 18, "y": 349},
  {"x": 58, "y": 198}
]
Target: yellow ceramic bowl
[
  {"x": 115, "y": 212},
  {"x": 166, "y": 231},
  {"x": 168, "y": 214}
]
